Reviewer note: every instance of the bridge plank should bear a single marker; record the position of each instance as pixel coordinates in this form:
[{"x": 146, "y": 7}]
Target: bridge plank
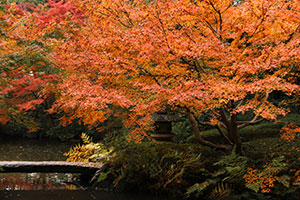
[{"x": 50, "y": 166}]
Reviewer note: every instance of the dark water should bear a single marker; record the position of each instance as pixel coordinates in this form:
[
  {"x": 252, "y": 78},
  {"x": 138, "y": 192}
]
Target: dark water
[
  {"x": 32, "y": 150},
  {"x": 73, "y": 195},
  {"x": 47, "y": 186}
]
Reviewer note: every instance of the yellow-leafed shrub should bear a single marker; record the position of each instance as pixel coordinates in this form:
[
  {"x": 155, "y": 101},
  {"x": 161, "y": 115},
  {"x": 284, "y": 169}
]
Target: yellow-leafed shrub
[{"x": 88, "y": 152}]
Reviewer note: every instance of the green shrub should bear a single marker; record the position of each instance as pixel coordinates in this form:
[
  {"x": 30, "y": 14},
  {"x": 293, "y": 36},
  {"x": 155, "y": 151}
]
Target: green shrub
[
  {"x": 195, "y": 171},
  {"x": 160, "y": 167},
  {"x": 227, "y": 176},
  {"x": 267, "y": 148},
  {"x": 291, "y": 118},
  {"x": 192, "y": 170}
]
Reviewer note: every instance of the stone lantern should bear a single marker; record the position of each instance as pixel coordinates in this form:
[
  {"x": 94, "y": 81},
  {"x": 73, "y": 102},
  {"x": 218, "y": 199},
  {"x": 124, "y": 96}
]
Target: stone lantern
[{"x": 163, "y": 125}]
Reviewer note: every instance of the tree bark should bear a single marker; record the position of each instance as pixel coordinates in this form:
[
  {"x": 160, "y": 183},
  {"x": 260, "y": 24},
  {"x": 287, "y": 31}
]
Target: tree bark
[
  {"x": 237, "y": 142},
  {"x": 233, "y": 133},
  {"x": 200, "y": 139}
]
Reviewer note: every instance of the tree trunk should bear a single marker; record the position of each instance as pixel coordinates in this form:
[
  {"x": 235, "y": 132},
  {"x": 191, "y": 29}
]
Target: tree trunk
[
  {"x": 233, "y": 133},
  {"x": 237, "y": 143},
  {"x": 200, "y": 139}
]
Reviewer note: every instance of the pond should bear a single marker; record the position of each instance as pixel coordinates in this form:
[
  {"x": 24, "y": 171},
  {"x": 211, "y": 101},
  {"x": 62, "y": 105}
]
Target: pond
[
  {"x": 32, "y": 149},
  {"x": 47, "y": 186}
]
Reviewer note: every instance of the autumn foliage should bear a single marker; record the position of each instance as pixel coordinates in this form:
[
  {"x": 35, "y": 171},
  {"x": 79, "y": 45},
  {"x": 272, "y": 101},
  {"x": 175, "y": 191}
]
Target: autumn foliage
[
  {"x": 212, "y": 62},
  {"x": 265, "y": 181},
  {"x": 221, "y": 59},
  {"x": 25, "y": 71},
  {"x": 217, "y": 58}
]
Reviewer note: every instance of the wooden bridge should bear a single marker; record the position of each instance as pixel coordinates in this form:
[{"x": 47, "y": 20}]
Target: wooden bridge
[{"x": 50, "y": 166}]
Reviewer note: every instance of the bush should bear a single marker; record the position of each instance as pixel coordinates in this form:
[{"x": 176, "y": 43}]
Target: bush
[
  {"x": 194, "y": 171},
  {"x": 263, "y": 150},
  {"x": 160, "y": 167},
  {"x": 225, "y": 179}
]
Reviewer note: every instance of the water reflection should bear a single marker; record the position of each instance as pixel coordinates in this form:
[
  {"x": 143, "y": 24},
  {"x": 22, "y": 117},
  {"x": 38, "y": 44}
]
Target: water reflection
[
  {"x": 33, "y": 150},
  {"x": 73, "y": 195},
  {"x": 37, "y": 181},
  {"x": 47, "y": 186}
]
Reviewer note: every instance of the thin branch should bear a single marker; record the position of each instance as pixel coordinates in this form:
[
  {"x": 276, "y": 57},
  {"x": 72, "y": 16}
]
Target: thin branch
[
  {"x": 212, "y": 29},
  {"x": 164, "y": 32},
  {"x": 202, "y": 123},
  {"x": 200, "y": 66},
  {"x": 152, "y": 76},
  {"x": 117, "y": 17},
  {"x": 196, "y": 68},
  {"x": 227, "y": 7},
  {"x": 198, "y": 135},
  {"x": 254, "y": 120},
  {"x": 292, "y": 34},
  {"x": 256, "y": 28},
  {"x": 216, "y": 115},
  {"x": 223, "y": 125},
  {"x": 193, "y": 64},
  {"x": 190, "y": 37},
  {"x": 224, "y": 118},
  {"x": 246, "y": 123},
  {"x": 211, "y": 115},
  {"x": 220, "y": 19},
  {"x": 34, "y": 95},
  {"x": 223, "y": 134},
  {"x": 240, "y": 103},
  {"x": 213, "y": 6}
]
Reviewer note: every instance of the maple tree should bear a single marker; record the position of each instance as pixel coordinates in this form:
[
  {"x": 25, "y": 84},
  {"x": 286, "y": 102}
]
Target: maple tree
[
  {"x": 26, "y": 74},
  {"x": 216, "y": 58}
]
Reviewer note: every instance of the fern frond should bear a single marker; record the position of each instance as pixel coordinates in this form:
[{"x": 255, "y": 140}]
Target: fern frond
[
  {"x": 197, "y": 189},
  {"x": 86, "y": 139},
  {"x": 221, "y": 191}
]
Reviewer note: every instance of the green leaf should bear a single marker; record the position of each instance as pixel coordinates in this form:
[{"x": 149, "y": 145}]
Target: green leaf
[
  {"x": 198, "y": 188},
  {"x": 253, "y": 186},
  {"x": 284, "y": 180},
  {"x": 219, "y": 172},
  {"x": 102, "y": 176}
]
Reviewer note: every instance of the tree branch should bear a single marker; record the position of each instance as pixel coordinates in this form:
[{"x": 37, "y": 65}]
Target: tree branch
[
  {"x": 240, "y": 103},
  {"x": 224, "y": 118},
  {"x": 223, "y": 134},
  {"x": 198, "y": 135},
  {"x": 254, "y": 120},
  {"x": 292, "y": 34},
  {"x": 212, "y": 29},
  {"x": 151, "y": 75},
  {"x": 202, "y": 123},
  {"x": 246, "y": 123},
  {"x": 220, "y": 20},
  {"x": 200, "y": 66}
]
